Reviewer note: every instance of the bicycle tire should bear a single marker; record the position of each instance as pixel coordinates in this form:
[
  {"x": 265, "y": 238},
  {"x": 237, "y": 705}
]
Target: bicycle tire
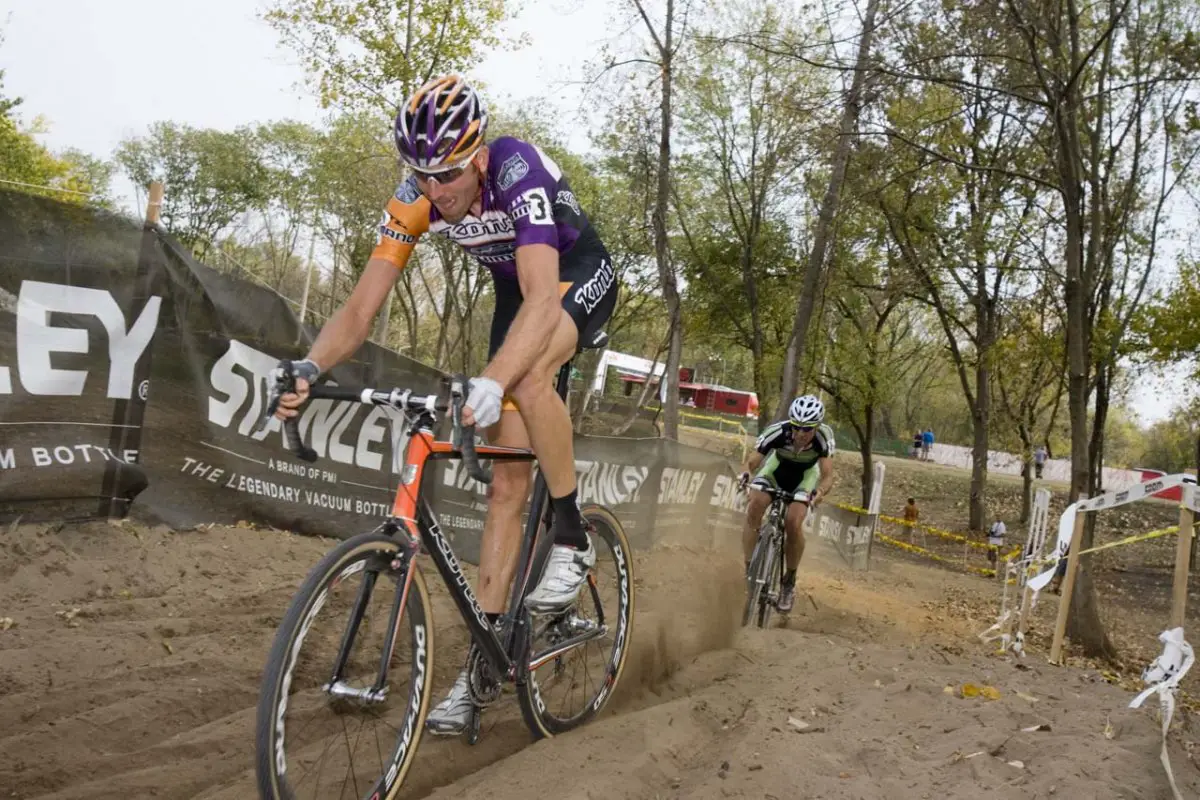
[
  {"x": 774, "y": 556},
  {"x": 770, "y": 585},
  {"x": 541, "y": 722},
  {"x": 270, "y": 737},
  {"x": 753, "y": 571}
]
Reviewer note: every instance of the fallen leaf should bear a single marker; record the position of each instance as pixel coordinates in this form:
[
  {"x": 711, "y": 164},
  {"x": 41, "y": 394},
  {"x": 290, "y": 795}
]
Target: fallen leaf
[
  {"x": 167, "y": 646},
  {"x": 1030, "y": 698},
  {"x": 1017, "y": 764},
  {"x": 1034, "y": 728},
  {"x": 1109, "y": 731},
  {"x": 798, "y": 724},
  {"x": 6, "y": 623}
]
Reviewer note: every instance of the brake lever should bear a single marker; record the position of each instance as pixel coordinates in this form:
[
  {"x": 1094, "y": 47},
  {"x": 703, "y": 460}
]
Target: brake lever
[
  {"x": 463, "y": 437},
  {"x": 282, "y": 381}
]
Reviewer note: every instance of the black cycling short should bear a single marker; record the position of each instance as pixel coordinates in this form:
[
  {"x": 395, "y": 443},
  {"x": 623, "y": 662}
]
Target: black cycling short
[{"x": 588, "y": 287}]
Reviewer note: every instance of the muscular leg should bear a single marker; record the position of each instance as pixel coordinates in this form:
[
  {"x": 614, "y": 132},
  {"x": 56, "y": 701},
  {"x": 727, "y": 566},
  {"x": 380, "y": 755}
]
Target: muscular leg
[
  {"x": 793, "y": 526},
  {"x": 759, "y": 501},
  {"x": 544, "y": 412},
  {"x": 500, "y": 547}
]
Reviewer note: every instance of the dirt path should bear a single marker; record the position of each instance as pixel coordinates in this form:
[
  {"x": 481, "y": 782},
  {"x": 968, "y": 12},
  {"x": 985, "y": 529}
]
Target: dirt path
[{"x": 133, "y": 663}]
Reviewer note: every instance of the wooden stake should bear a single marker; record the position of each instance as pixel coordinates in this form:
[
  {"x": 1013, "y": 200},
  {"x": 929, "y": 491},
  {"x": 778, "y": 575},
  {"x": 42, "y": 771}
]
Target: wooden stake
[
  {"x": 1068, "y": 587},
  {"x": 1183, "y": 548},
  {"x": 154, "y": 206}
]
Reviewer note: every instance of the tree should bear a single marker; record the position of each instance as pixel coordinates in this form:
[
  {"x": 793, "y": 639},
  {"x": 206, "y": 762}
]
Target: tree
[
  {"x": 963, "y": 241},
  {"x": 371, "y": 54},
  {"x": 1099, "y": 77},
  {"x": 666, "y": 46},
  {"x": 874, "y": 343},
  {"x": 1031, "y": 383},
  {"x": 71, "y": 177},
  {"x": 746, "y": 111},
  {"x": 822, "y": 234},
  {"x": 211, "y": 178}
]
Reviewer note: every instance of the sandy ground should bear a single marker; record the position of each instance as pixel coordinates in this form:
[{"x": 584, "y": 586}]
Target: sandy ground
[{"x": 131, "y": 670}]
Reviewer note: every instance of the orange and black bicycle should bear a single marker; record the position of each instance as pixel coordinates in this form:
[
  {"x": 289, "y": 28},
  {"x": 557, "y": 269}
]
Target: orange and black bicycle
[{"x": 343, "y": 700}]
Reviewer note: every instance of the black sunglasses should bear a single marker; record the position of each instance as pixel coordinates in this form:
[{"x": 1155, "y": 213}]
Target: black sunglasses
[{"x": 804, "y": 428}]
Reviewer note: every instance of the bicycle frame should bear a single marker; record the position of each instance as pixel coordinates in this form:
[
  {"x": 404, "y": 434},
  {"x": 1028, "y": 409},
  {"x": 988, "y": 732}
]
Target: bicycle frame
[{"x": 413, "y": 516}]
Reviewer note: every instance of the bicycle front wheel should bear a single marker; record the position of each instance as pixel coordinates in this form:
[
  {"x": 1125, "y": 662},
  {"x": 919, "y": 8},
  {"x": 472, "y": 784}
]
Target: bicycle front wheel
[
  {"x": 348, "y": 678},
  {"x": 758, "y": 572},
  {"x": 576, "y": 657},
  {"x": 768, "y": 593}
]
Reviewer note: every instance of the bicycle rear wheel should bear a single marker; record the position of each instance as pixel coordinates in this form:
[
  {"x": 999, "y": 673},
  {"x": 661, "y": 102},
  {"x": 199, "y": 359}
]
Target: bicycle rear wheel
[
  {"x": 324, "y": 732},
  {"x": 578, "y": 655}
]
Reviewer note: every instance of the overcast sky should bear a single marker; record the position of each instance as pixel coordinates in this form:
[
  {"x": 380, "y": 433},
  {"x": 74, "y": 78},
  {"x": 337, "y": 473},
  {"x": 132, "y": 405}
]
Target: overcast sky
[{"x": 102, "y": 70}]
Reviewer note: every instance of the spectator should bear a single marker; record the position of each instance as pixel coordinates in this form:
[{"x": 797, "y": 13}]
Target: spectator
[
  {"x": 1039, "y": 460},
  {"x": 926, "y": 443},
  {"x": 911, "y": 512},
  {"x": 916, "y": 445},
  {"x": 995, "y": 540}
]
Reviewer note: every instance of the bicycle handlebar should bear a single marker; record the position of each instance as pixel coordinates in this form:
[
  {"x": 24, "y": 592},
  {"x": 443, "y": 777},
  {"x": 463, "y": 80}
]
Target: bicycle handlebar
[
  {"x": 800, "y": 495},
  {"x": 462, "y": 437}
]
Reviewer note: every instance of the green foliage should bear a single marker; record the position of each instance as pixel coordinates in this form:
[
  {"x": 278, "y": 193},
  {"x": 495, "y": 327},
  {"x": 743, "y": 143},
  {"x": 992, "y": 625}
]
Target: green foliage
[
  {"x": 210, "y": 177},
  {"x": 83, "y": 179},
  {"x": 370, "y": 54},
  {"x": 1171, "y": 444},
  {"x": 1169, "y": 327}
]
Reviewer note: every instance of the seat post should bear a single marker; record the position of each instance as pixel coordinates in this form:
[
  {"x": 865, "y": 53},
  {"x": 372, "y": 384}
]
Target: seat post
[{"x": 564, "y": 379}]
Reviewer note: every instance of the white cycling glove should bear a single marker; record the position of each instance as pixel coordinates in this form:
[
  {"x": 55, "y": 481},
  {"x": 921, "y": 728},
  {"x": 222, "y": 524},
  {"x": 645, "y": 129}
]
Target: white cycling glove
[{"x": 486, "y": 400}]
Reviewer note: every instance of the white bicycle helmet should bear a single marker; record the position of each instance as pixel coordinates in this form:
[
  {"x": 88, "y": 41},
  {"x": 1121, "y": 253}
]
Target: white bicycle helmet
[{"x": 806, "y": 410}]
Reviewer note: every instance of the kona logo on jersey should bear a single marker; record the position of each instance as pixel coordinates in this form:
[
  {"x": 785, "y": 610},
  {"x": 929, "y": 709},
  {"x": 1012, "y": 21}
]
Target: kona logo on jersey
[
  {"x": 512, "y": 170},
  {"x": 477, "y": 228},
  {"x": 591, "y": 293},
  {"x": 39, "y": 341},
  {"x": 566, "y": 198}
]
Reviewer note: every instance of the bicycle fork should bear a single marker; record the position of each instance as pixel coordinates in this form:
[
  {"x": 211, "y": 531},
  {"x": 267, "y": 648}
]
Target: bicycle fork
[{"x": 402, "y": 564}]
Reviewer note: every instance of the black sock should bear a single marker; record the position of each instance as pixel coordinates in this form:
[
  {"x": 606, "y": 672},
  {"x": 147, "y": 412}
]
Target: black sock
[
  {"x": 789, "y": 578},
  {"x": 568, "y": 525}
]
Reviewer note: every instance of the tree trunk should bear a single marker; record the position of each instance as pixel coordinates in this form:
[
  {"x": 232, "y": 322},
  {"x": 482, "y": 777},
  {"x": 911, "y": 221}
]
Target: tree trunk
[
  {"x": 980, "y": 415},
  {"x": 864, "y": 447},
  {"x": 662, "y": 252},
  {"x": 1026, "y": 472},
  {"x": 1085, "y": 627},
  {"x": 644, "y": 393},
  {"x": 829, "y": 207}
]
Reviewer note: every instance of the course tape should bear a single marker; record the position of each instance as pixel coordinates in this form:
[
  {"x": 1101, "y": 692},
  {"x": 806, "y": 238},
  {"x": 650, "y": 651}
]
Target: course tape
[
  {"x": 954, "y": 537},
  {"x": 1135, "y": 538},
  {"x": 912, "y": 548}
]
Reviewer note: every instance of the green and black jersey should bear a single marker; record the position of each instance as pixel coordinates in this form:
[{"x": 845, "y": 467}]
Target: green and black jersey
[{"x": 785, "y": 466}]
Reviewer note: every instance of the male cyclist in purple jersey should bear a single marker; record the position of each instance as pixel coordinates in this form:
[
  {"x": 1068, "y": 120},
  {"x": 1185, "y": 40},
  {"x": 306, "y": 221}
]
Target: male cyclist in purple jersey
[{"x": 509, "y": 206}]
